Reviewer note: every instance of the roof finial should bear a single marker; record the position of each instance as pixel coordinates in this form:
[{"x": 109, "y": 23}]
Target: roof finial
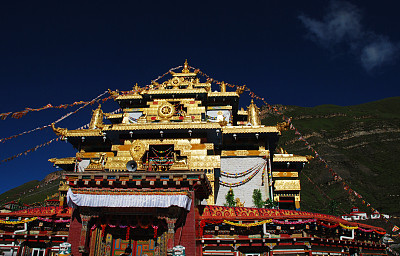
[
  {"x": 253, "y": 116},
  {"x": 185, "y": 67}
]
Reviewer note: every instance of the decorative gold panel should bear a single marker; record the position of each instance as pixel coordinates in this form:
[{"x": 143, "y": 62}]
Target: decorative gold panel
[
  {"x": 249, "y": 129},
  {"x": 289, "y": 158},
  {"x": 244, "y": 152},
  {"x": 281, "y": 185},
  {"x": 285, "y": 174},
  {"x": 204, "y": 162}
]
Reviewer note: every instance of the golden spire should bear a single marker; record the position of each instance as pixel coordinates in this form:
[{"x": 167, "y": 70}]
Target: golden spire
[
  {"x": 136, "y": 89},
  {"x": 185, "y": 67},
  {"x": 252, "y": 114},
  {"x": 223, "y": 86},
  {"x": 97, "y": 119}
]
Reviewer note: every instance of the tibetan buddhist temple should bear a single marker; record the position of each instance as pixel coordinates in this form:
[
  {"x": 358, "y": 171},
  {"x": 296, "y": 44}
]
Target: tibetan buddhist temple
[{"x": 156, "y": 177}]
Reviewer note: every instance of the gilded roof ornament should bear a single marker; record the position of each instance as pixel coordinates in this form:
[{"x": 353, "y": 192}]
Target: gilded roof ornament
[
  {"x": 253, "y": 116},
  {"x": 97, "y": 119},
  {"x": 223, "y": 86},
  {"x": 114, "y": 94},
  {"x": 283, "y": 126},
  {"x": 59, "y": 131},
  {"x": 137, "y": 89},
  {"x": 309, "y": 157},
  {"x": 240, "y": 89},
  {"x": 185, "y": 67}
]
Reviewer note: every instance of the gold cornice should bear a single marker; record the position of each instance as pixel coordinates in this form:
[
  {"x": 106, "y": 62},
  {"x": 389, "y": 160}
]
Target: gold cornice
[
  {"x": 82, "y": 133},
  {"x": 219, "y": 108},
  {"x": 93, "y": 154},
  {"x": 242, "y": 112},
  {"x": 129, "y": 97},
  {"x": 176, "y": 91},
  {"x": 59, "y": 161},
  {"x": 113, "y": 116},
  {"x": 244, "y": 152},
  {"x": 183, "y": 74},
  {"x": 161, "y": 126},
  {"x": 223, "y": 94},
  {"x": 289, "y": 158},
  {"x": 249, "y": 129},
  {"x": 285, "y": 174}
]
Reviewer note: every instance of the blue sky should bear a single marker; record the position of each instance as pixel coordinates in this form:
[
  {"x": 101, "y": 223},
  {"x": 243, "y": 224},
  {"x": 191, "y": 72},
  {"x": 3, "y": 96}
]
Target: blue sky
[{"x": 302, "y": 53}]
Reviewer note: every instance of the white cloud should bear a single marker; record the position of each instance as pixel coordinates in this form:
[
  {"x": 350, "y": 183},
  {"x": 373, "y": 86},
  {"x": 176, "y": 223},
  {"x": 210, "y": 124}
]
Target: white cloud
[
  {"x": 377, "y": 53},
  {"x": 341, "y": 25}
]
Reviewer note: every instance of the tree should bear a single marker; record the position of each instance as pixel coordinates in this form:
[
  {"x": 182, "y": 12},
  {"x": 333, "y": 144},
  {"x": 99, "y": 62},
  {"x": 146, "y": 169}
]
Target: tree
[
  {"x": 333, "y": 208},
  {"x": 230, "y": 198},
  {"x": 257, "y": 198},
  {"x": 271, "y": 204}
]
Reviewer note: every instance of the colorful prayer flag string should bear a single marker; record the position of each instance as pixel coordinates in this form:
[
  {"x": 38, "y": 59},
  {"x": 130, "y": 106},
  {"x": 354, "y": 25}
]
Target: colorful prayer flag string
[
  {"x": 236, "y": 184},
  {"x": 29, "y": 150},
  {"x": 58, "y": 120},
  {"x": 19, "y": 114}
]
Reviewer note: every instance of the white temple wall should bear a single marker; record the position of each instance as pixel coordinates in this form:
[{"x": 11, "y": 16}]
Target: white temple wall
[{"x": 245, "y": 191}]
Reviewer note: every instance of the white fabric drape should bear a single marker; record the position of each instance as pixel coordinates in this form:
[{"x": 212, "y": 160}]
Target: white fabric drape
[{"x": 162, "y": 201}]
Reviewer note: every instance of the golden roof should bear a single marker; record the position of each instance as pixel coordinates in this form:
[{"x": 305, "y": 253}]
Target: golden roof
[
  {"x": 129, "y": 97},
  {"x": 83, "y": 133},
  {"x": 112, "y": 116},
  {"x": 223, "y": 94},
  {"x": 249, "y": 129},
  {"x": 289, "y": 158},
  {"x": 161, "y": 126},
  {"x": 176, "y": 91},
  {"x": 59, "y": 161}
]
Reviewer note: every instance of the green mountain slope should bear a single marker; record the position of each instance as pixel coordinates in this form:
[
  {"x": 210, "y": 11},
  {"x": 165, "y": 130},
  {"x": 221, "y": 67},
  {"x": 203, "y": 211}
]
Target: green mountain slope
[
  {"x": 33, "y": 191},
  {"x": 360, "y": 143}
]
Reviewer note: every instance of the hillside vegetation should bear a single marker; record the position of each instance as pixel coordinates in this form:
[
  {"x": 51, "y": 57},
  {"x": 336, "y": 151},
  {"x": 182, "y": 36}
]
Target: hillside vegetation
[
  {"x": 33, "y": 191},
  {"x": 360, "y": 143}
]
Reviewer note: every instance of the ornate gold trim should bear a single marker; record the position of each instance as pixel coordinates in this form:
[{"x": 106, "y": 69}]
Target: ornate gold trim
[
  {"x": 283, "y": 185},
  {"x": 249, "y": 129},
  {"x": 285, "y": 174},
  {"x": 129, "y": 97},
  {"x": 244, "y": 152},
  {"x": 223, "y": 94},
  {"x": 289, "y": 158},
  {"x": 176, "y": 91},
  {"x": 163, "y": 126},
  {"x": 59, "y": 161},
  {"x": 113, "y": 116},
  {"x": 81, "y": 133},
  {"x": 137, "y": 150}
]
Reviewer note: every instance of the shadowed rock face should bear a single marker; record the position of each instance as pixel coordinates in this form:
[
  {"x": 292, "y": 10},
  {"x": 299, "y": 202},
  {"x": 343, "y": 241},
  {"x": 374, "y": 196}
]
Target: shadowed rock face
[{"x": 360, "y": 143}]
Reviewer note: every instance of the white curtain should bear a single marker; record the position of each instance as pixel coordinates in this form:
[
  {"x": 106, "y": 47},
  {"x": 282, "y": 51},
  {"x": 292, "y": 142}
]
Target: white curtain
[{"x": 162, "y": 201}]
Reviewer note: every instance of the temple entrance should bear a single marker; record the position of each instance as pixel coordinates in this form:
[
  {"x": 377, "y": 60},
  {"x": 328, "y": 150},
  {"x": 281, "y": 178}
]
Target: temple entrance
[
  {"x": 139, "y": 248},
  {"x": 111, "y": 235},
  {"x": 116, "y": 246}
]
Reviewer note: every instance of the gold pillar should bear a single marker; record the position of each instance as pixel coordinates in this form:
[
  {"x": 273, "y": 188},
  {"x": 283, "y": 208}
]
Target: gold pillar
[
  {"x": 211, "y": 198},
  {"x": 297, "y": 202}
]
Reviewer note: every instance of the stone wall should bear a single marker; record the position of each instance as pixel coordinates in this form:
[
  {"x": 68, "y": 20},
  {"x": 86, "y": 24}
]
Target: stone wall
[{"x": 245, "y": 191}]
